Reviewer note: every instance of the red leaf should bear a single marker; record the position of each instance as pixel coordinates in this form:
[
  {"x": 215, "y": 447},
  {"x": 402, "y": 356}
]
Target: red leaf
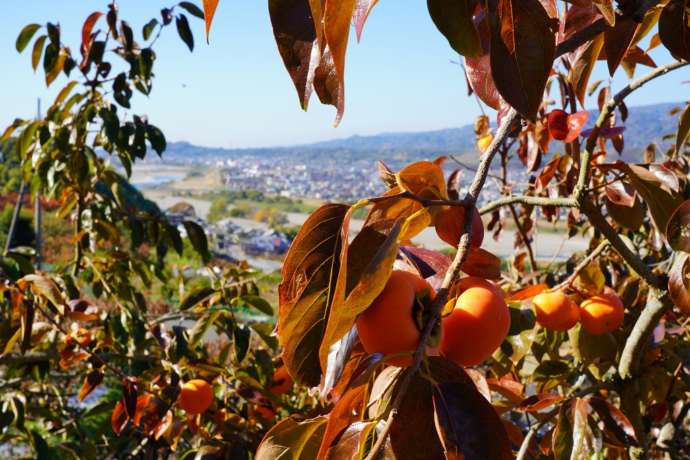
[
  {"x": 482, "y": 263},
  {"x": 362, "y": 10},
  {"x": 538, "y": 402},
  {"x": 348, "y": 410},
  {"x": 617, "y": 40},
  {"x": 507, "y": 387},
  {"x": 478, "y": 71},
  {"x": 86, "y": 30},
  {"x": 576, "y": 122}
]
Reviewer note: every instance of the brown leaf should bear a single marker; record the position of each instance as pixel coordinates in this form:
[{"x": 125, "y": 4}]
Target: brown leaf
[
  {"x": 678, "y": 229},
  {"x": 466, "y": 423},
  {"x": 386, "y": 175},
  {"x": 364, "y": 270},
  {"x": 683, "y": 129},
  {"x": 678, "y": 286},
  {"x": 45, "y": 287},
  {"x": 615, "y": 421},
  {"x": 383, "y": 215},
  {"x": 585, "y": 57},
  {"x": 348, "y": 410},
  {"x": 92, "y": 380},
  {"x": 523, "y": 47},
  {"x": 297, "y": 41},
  {"x": 508, "y": 387},
  {"x": 353, "y": 442},
  {"x": 538, "y": 402},
  {"x": 305, "y": 294},
  {"x": 424, "y": 179},
  {"x": 673, "y": 29},
  {"x": 292, "y": 440},
  {"x": 453, "y": 18},
  {"x": 482, "y": 263},
  {"x": 337, "y": 18},
  {"x": 617, "y": 40}
]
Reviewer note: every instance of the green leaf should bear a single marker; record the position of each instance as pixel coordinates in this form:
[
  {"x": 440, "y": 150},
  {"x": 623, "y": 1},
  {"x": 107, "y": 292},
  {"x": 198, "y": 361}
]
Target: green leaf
[
  {"x": 37, "y": 51},
  {"x": 548, "y": 369},
  {"x": 40, "y": 445},
  {"x": 453, "y": 18},
  {"x": 259, "y": 303},
  {"x": 25, "y": 36},
  {"x": 195, "y": 297},
  {"x": 197, "y": 236},
  {"x": 156, "y": 138},
  {"x": 241, "y": 335},
  {"x": 192, "y": 9},
  {"x": 683, "y": 129},
  {"x": 184, "y": 31},
  {"x": 147, "y": 30}
]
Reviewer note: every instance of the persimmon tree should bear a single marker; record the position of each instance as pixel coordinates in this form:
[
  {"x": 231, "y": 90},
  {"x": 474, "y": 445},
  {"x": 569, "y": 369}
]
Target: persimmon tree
[
  {"x": 601, "y": 369},
  {"x": 595, "y": 366},
  {"x": 117, "y": 352}
]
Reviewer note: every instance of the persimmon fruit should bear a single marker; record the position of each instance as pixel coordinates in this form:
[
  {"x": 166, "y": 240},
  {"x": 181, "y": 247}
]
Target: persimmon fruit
[
  {"x": 478, "y": 323},
  {"x": 557, "y": 121},
  {"x": 281, "y": 381},
  {"x": 388, "y": 326},
  {"x": 602, "y": 313},
  {"x": 555, "y": 310},
  {"x": 450, "y": 223},
  {"x": 196, "y": 396}
]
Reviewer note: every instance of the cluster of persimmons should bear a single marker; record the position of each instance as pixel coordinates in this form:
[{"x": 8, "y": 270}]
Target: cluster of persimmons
[{"x": 476, "y": 319}]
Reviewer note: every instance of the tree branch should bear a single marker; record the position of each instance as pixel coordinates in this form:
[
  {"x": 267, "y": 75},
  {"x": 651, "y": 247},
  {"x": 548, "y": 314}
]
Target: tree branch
[
  {"x": 451, "y": 275},
  {"x": 528, "y": 200},
  {"x": 582, "y": 265}
]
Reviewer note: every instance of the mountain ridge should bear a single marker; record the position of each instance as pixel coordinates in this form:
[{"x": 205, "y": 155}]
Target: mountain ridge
[{"x": 645, "y": 124}]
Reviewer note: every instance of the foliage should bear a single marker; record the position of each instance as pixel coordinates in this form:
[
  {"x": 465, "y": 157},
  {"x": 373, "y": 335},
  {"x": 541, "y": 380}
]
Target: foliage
[{"x": 543, "y": 394}]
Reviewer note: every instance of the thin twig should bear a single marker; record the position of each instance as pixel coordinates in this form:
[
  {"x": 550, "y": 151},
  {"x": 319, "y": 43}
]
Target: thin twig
[
  {"x": 582, "y": 265},
  {"x": 451, "y": 275}
]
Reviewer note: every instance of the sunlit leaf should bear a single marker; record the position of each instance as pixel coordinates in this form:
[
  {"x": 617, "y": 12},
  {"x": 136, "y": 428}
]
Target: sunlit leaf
[
  {"x": 305, "y": 295},
  {"x": 25, "y": 36},
  {"x": 337, "y": 19},
  {"x": 348, "y": 410},
  {"x": 209, "y": 12},
  {"x": 292, "y": 440}
]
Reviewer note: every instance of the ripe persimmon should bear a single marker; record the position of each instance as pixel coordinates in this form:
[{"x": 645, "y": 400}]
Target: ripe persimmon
[
  {"x": 602, "y": 313},
  {"x": 281, "y": 381},
  {"x": 450, "y": 223},
  {"x": 477, "y": 324},
  {"x": 196, "y": 396},
  {"x": 556, "y": 311},
  {"x": 388, "y": 325},
  {"x": 557, "y": 122}
]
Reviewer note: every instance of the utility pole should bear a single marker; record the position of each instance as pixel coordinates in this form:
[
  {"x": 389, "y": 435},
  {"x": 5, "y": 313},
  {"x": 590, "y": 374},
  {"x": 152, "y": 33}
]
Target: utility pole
[{"x": 37, "y": 211}]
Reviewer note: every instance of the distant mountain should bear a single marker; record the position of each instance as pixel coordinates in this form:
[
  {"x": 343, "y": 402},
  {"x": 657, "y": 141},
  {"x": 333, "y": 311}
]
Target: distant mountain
[{"x": 645, "y": 124}]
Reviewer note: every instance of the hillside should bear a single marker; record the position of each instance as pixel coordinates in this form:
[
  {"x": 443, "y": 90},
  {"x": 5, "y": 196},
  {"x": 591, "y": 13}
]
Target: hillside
[{"x": 645, "y": 124}]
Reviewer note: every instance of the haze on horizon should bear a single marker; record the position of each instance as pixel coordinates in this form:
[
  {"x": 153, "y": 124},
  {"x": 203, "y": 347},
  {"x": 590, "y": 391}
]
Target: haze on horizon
[{"x": 235, "y": 93}]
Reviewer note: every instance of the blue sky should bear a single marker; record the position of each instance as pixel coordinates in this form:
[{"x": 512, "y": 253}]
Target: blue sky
[{"x": 236, "y": 92}]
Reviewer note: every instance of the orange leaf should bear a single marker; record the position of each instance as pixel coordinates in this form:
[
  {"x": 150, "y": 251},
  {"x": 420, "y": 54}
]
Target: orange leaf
[
  {"x": 528, "y": 292},
  {"x": 209, "y": 11},
  {"x": 337, "y": 18},
  {"x": 119, "y": 418},
  {"x": 92, "y": 380},
  {"x": 347, "y": 411}
]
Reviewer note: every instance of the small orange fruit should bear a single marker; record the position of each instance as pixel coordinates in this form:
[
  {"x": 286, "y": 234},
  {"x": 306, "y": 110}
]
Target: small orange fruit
[
  {"x": 450, "y": 223},
  {"x": 602, "y": 313},
  {"x": 281, "y": 382},
  {"x": 478, "y": 323},
  {"x": 388, "y": 325},
  {"x": 556, "y": 311},
  {"x": 196, "y": 396}
]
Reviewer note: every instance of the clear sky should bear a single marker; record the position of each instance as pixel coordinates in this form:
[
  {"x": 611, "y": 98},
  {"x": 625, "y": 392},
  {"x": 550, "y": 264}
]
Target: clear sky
[{"x": 236, "y": 93}]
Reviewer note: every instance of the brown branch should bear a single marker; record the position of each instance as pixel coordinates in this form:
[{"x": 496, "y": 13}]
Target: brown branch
[
  {"x": 451, "y": 275},
  {"x": 528, "y": 200},
  {"x": 582, "y": 265}
]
